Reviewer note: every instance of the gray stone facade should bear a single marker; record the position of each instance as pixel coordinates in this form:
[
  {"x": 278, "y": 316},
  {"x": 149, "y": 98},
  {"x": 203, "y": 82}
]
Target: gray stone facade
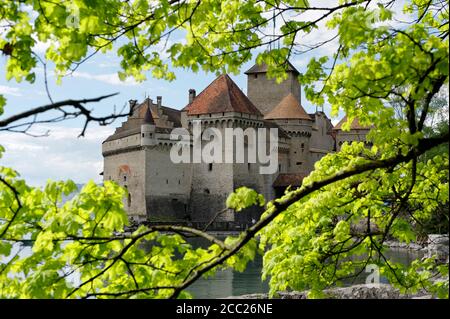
[{"x": 137, "y": 155}]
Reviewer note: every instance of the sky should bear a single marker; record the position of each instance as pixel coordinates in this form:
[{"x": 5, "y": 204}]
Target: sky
[{"x": 62, "y": 154}]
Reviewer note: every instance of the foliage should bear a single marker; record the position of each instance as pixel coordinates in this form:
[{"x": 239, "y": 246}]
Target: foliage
[
  {"x": 329, "y": 229},
  {"x": 244, "y": 197}
]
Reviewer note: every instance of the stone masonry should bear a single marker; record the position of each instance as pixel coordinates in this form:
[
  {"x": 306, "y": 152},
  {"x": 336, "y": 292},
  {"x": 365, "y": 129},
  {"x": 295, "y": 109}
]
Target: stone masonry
[{"x": 137, "y": 155}]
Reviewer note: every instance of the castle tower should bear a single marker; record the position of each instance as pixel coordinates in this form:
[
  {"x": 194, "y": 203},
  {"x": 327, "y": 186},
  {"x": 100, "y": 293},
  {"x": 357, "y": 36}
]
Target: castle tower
[
  {"x": 148, "y": 130},
  {"x": 219, "y": 106},
  {"x": 294, "y": 120},
  {"x": 265, "y": 93}
]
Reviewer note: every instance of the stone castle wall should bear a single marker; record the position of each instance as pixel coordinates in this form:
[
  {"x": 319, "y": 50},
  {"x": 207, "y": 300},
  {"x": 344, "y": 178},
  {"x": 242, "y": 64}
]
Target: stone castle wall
[{"x": 265, "y": 93}]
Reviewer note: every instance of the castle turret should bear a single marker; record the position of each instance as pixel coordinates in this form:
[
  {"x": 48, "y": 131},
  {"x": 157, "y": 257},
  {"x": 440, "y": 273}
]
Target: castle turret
[
  {"x": 148, "y": 130},
  {"x": 265, "y": 93},
  {"x": 293, "y": 119}
]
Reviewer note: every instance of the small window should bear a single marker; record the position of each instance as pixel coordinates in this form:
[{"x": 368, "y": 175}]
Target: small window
[
  {"x": 248, "y": 166},
  {"x": 256, "y": 75},
  {"x": 143, "y": 135},
  {"x": 298, "y": 163},
  {"x": 179, "y": 182},
  {"x": 279, "y": 167},
  {"x": 303, "y": 145},
  {"x": 129, "y": 200},
  {"x": 206, "y": 191},
  {"x": 125, "y": 178},
  {"x": 167, "y": 181},
  {"x": 210, "y": 167}
]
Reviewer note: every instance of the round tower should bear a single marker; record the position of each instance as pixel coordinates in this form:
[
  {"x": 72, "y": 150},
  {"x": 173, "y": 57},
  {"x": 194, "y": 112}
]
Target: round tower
[
  {"x": 148, "y": 130},
  {"x": 294, "y": 120}
]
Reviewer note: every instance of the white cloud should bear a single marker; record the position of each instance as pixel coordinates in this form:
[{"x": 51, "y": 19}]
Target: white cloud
[
  {"x": 60, "y": 156},
  {"x": 41, "y": 47},
  {"x": 113, "y": 64},
  {"x": 9, "y": 90},
  {"x": 110, "y": 78}
]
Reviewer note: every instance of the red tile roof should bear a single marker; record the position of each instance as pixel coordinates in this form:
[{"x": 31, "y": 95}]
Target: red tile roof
[
  {"x": 355, "y": 125},
  {"x": 288, "y": 108},
  {"x": 289, "y": 179},
  {"x": 222, "y": 95}
]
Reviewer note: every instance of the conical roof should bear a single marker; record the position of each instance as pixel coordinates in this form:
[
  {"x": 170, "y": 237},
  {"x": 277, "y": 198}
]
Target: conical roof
[
  {"x": 148, "y": 118},
  {"x": 222, "y": 95},
  {"x": 288, "y": 108}
]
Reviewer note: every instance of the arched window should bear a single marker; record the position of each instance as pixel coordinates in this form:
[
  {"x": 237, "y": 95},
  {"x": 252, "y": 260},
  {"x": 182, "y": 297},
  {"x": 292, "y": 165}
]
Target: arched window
[{"x": 129, "y": 199}]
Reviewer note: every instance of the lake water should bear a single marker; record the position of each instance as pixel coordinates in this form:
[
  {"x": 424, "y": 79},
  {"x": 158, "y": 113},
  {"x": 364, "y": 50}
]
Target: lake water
[{"x": 232, "y": 283}]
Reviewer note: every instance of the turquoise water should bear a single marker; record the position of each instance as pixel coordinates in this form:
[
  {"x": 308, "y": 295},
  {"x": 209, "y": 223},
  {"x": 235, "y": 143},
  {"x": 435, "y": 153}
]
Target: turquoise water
[{"x": 231, "y": 283}]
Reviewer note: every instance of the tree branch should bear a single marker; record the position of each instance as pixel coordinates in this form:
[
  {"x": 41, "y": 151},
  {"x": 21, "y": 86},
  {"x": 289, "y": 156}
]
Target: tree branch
[{"x": 281, "y": 205}]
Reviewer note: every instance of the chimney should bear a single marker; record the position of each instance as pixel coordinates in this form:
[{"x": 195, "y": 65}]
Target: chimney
[
  {"x": 132, "y": 105},
  {"x": 159, "y": 101},
  {"x": 191, "y": 95}
]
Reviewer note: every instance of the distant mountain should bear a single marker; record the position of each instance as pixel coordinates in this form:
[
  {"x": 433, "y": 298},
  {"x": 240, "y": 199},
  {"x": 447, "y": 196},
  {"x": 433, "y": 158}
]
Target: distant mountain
[{"x": 70, "y": 196}]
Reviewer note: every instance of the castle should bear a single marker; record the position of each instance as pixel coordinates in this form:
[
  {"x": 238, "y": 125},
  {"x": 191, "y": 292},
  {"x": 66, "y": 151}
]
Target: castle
[{"x": 137, "y": 155}]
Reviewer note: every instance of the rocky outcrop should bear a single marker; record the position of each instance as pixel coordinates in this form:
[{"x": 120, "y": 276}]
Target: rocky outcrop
[
  {"x": 438, "y": 246},
  {"x": 365, "y": 291}
]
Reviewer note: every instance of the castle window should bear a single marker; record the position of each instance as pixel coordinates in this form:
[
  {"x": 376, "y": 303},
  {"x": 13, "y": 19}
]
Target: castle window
[
  {"x": 143, "y": 134},
  {"x": 129, "y": 200},
  {"x": 167, "y": 181},
  {"x": 298, "y": 163},
  {"x": 179, "y": 182},
  {"x": 303, "y": 145},
  {"x": 206, "y": 191},
  {"x": 279, "y": 167},
  {"x": 210, "y": 167},
  {"x": 248, "y": 166},
  {"x": 124, "y": 178},
  {"x": 256, "y": 75}
]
